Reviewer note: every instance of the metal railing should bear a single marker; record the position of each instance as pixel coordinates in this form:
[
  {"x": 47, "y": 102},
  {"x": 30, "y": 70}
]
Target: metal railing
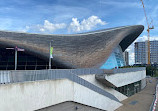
[
  {"x": 152, "y": 105},
  {"x": 36, "y": 75},
  {"x": 13, "y": 76},
  {"x": 125, "y": 70}
]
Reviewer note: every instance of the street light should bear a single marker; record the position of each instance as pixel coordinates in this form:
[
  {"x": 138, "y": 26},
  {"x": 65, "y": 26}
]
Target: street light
[{"x": 50, "y": 53}]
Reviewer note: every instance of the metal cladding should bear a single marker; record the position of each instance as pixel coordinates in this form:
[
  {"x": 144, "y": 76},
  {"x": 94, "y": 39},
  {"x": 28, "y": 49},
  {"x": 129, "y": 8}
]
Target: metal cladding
[{"x": 84, "y": 50}]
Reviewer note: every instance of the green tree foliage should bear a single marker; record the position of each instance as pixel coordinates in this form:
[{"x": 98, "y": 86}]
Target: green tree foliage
[{"x": 150, "y": 70}]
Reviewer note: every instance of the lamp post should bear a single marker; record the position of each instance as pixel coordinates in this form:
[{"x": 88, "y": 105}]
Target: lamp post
[
  {"x": 50, "y": 53},
  {"x": 16, "y": 50}
]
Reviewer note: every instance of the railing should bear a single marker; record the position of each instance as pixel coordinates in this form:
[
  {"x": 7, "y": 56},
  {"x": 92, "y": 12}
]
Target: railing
[
  {"x": 13, "y": 76},
  {"x": 125, "y": 70},
  {"x": 5, "y": 77},
  {"x": 152, "y": 106},
  {"x": 71, "y": 74}
]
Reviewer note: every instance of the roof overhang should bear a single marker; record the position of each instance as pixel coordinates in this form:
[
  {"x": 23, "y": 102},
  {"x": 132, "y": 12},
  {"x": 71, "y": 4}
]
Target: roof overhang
[{"x": 84, "y": 50}]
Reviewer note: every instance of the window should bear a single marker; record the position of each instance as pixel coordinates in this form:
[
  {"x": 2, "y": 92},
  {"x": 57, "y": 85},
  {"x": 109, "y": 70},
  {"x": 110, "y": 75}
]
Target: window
[{"x": 115, "y": 60}]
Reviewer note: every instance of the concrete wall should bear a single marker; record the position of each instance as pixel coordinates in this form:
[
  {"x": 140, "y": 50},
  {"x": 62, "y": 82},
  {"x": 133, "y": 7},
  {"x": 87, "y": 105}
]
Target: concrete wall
[
  {"x": 91, "y": 79},
  {"x": 69, "y": 106},
  {"x": 30, "y": 96},
  {"x": 143, "y": 83},
  {"x": 122, "y": 79}
]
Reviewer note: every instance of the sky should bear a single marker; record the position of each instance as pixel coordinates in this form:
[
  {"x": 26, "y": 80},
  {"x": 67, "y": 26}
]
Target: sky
[{"x": 77, "y": 16}]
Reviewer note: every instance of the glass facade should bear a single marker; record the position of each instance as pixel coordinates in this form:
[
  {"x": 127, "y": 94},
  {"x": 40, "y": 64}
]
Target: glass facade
[
  {"x": 115, "y": 60},
  {"x": 25, "y": 61},
  {"x": 130, "y": 89}
]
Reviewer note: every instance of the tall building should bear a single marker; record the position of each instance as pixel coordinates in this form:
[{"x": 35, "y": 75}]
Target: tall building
[
  {"x": 141, "y": 52},
  {"x": 126, "y": 57}
]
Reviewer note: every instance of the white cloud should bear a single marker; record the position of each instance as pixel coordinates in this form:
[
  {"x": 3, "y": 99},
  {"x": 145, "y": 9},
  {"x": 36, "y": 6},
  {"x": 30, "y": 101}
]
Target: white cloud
[
  {"x": 145, "y": 38},
  {"x": 51, "y": 27},
  {"x": 47, "y": 27},
  {"x": 130, "y": 49},
  {"x": 85, "y": 24},
  {"x": 73, "y": 26},
  {"x": 132, "y": 58}
]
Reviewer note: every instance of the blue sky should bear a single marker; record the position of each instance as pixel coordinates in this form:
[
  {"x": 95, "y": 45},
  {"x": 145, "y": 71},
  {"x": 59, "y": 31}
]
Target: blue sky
[{"x": 76, "y": 16}]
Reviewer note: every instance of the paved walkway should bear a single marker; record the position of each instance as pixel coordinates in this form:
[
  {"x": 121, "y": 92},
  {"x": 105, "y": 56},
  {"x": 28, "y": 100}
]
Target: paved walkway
[{"x": 142, "y": 100}]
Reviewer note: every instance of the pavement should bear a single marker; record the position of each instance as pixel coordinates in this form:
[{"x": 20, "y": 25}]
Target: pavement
[{"x": 140, "y": 101}]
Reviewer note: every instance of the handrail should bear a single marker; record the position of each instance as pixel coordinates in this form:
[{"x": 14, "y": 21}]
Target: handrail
[
  {"x": 152, "y": 106},
  {"x": 36, "y": 75}
]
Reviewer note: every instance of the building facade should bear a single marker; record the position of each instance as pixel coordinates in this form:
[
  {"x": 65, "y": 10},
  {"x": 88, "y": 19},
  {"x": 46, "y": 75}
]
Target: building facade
[
  {"x": 141, "y": 52},
  {"x": 99, "y": 49},
  {"x": 84, "y": 74},
  {"x": 126, "y": 57}
]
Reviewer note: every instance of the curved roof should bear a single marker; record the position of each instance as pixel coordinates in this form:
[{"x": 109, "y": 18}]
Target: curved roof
[{"x": 75, "y": 50}]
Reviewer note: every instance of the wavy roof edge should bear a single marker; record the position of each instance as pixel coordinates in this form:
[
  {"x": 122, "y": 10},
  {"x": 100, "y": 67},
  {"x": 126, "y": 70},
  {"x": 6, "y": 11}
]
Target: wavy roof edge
[
  {"x": 84, "y": 33},
  {"x": 76, "y": 50}
]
